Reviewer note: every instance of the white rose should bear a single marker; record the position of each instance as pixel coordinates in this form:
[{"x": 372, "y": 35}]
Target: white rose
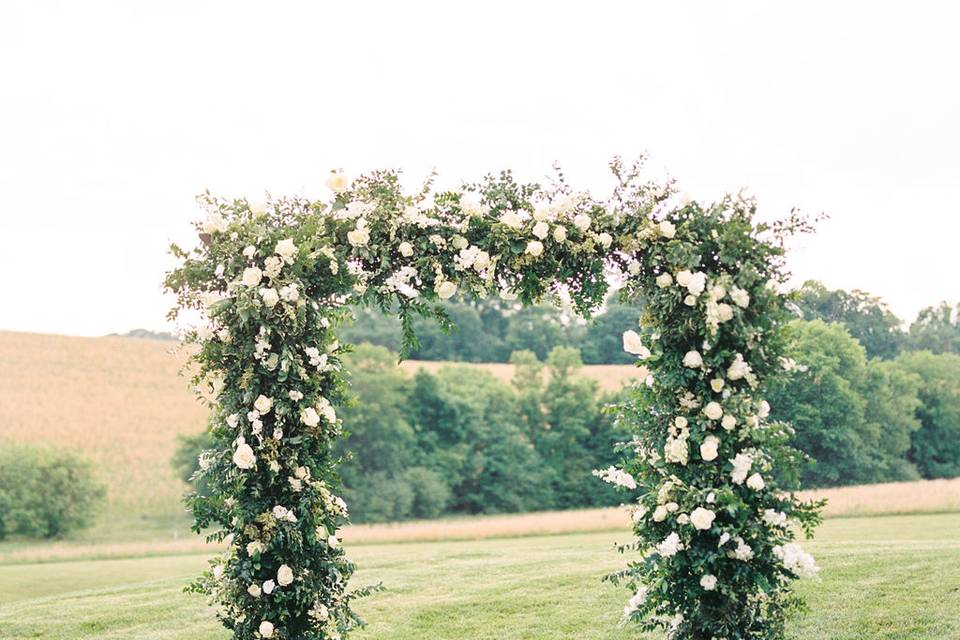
[
  {"x": 676, "y": 450},
  {"x": 693, "y": 360},
  {"x": 481, "y": 261},
  {"x": 266, "y": 629},
  {"x": 697, "y": 283},
  {"x": 214, "y": 222},
  {"x": 738, "y": 369},
  {"x": 284, "y": 575},
  {"x": 728, "y": 422},
  {"x": 755, "y": 482},
  {"x": 445, "y": 289},
  {"x": 667, "y": 229},
  {"x": 708, "y": 448},
  {"x": 709, "y": 583},
  {"x": 336, "y": 182},
  {"x": 251, "y": 276},
  {"x": 540, "y": 230},
  {"x": 683, "y": 277},
  {"x": 664, "y": 280},
  {"x": 290, "y": 293},
  {"x": 243, "y": 457},
  {"x": 690, "y": 301},
  {"x": 670, "y": 545},
  {"x": 272, "y": 266},
  {"x": 359, "y": 237},
  {"x": 535, "y": 248},
  {"x": 334, "y": 542},
  {"x": 510, "y": 218},
  {"x": 740, "y": 297},
  {"x": 717, "y": 293},
  {"x": 270, "y": 297},
  {"x": 702, "y": 518},
  {"x": 268, "y": 586},
  {"x": 713, "y": 410},
  {"x": 254, "y": 590},
  {"x": 581, "y": 221},
  {"x": 764, "y": 409},
  {"x": 680, "y": 422},
  {"x": 632, "y": 344},
  {"x": 717, "y": 385},
  {"x": 605, "y": 240},
  {"x": 560, "y": 233},
  {"x": 724, "y": 312},
  {"x": 285, "y": 249},
  {"x": 310, "y": 417},
  {"x": 263, "y": 404},
  {"x": 741, "y": 467},
  {"x": 660, "y": 513},
  {"x": 326, "y": 410},
  {"x": 406, "y": 249}
]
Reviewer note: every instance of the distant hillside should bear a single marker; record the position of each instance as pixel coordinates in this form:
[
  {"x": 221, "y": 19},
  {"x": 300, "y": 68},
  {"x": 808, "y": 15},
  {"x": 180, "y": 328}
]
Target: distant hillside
[
  {"x": 146, "y": 334},
  {"x": 119, "y": 401}
]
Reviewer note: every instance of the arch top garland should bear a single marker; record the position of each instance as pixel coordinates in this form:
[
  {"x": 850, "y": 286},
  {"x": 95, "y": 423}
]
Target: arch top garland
[{"x": 710, "y": 475}]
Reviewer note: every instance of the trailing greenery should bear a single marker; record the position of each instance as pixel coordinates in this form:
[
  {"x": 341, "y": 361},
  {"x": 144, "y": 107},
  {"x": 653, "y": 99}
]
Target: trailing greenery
[
  {"x": 713, "y": 530},
  {"x": 45, "y": 492}
]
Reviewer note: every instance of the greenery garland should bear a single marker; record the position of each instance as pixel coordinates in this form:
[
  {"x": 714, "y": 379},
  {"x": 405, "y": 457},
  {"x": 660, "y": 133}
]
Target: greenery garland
[{"x": 708, "y": 472}]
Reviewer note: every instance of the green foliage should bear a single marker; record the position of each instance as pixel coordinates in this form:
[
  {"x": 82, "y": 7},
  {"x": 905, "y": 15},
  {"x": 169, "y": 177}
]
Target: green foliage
[
  {"x": 45, "y": 492},
  {"x": 935, "y": 446},
  {"x": 937, "y": 329},
  {"x": 825, "y": 405},
  {"x": 275, "y": 285},
  {"x": 892, "y": 402},
  {"x": 186, "y": 460},
  {"x": 867, "y": 317}
]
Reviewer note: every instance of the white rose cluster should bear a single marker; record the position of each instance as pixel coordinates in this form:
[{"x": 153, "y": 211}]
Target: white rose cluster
[{"x": 617, "y": 477}]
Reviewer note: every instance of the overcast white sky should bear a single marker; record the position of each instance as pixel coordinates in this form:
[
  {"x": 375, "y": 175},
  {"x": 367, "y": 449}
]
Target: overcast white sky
[{"x": 114, "y": 115}]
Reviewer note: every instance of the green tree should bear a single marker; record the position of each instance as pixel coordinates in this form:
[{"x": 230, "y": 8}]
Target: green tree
[
  {"x": 381, "y": 443},
  {"x": 867, "y": 317},
  {"x": 538, "y": 329},
  {"x": 825, "y": 405},
  {"x": 469, "y": 434},
  {"x": 937, "y": 329},
  {"x": 892, "y": 400},
  {"x": 45, "y": 492},
  {"x": 936, "y": 445}
]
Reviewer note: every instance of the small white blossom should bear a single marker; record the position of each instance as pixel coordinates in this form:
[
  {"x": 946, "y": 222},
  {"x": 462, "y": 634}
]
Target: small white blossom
[{"x": 693, "y": 360}]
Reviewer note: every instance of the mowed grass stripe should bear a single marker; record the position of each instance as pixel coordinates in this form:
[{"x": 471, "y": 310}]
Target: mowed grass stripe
[{"x": 889, "y": 578}]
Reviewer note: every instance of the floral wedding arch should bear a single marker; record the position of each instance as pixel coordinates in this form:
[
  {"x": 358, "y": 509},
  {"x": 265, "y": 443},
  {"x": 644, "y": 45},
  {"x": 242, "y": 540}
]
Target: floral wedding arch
[{"x": 708, "y": 472}]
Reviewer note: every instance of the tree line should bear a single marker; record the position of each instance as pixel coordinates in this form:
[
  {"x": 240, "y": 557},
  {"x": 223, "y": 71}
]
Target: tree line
[
  {"x": 491, "y": 330},
  {"x": 870, "y": 402}
]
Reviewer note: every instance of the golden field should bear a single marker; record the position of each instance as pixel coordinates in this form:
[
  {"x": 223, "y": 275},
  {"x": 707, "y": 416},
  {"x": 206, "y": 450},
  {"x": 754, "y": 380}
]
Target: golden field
[{"x": 121, "y": 403}]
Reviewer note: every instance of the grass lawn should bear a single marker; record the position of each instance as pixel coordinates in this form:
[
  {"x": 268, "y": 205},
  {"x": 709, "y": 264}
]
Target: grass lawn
[{"x": 885, "y": 577}]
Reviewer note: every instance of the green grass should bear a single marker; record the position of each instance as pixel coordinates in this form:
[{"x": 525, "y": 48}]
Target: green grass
[{"x": 889, "y": 578}]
